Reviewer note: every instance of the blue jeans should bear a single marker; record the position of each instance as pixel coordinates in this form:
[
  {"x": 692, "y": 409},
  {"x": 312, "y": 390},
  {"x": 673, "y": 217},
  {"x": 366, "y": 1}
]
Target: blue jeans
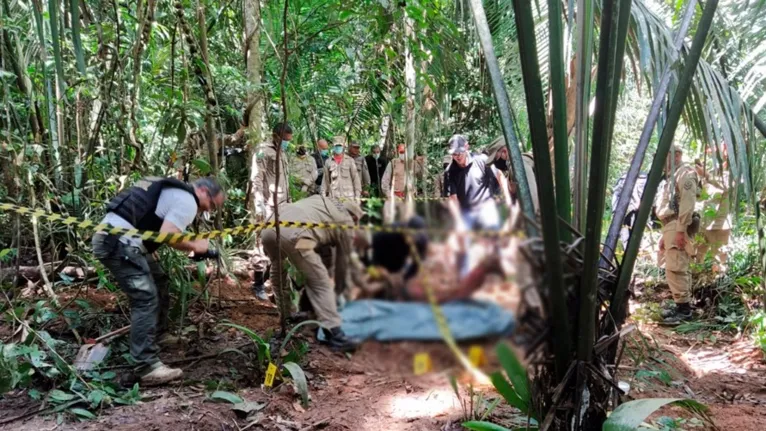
[{"x": 485, "y": 217}]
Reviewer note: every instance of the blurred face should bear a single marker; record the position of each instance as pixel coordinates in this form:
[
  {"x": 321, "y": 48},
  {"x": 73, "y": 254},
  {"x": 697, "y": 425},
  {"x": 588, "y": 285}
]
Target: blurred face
[
  {"x": 461, "y": 159},
  {"x": 502, "y": 154},
  {"x": 400, "y": 149},
  {"x": 376, "y": 150},
  {"x": 354, "y": 151},
  {"x": 208, "y": 202},
  {"x": 679, "y": 158},
  {"x": 285, "y": 137},
  {"x": 322, "y": 145}
]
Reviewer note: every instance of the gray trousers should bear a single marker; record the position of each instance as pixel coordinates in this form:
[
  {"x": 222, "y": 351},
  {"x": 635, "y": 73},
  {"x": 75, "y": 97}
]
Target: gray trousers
[{"x": 138, "y": 275}]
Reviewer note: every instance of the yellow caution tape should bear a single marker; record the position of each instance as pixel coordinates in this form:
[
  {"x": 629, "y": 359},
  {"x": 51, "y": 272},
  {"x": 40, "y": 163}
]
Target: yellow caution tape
[{"x": 166, "y": 237}]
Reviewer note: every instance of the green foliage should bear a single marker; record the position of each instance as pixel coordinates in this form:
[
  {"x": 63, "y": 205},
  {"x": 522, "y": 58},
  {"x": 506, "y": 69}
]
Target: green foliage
[
  {"x": 476, "y": 407},
  {"x": 223, "y": 396},
  {"x": 630, "y": 415},
  {"x": 263, "y": 349},
  {"x": 299, "y": 380}
]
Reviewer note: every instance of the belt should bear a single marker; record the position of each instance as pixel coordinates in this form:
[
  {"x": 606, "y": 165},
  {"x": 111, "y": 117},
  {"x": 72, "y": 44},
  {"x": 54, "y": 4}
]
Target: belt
[{"x": 667, "y": 220}]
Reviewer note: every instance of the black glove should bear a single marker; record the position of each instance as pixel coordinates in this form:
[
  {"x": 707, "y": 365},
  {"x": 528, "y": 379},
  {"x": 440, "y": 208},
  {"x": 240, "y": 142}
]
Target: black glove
[{"x": 211, "y": 253}]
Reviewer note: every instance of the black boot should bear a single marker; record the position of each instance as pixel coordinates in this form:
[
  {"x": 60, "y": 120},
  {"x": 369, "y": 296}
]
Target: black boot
[
  {"x": 682, "y": 313},
  {"x": 669, "y": 311},
  {"x": 259, "y": 289},
  {"x": 337, "y": 340}
]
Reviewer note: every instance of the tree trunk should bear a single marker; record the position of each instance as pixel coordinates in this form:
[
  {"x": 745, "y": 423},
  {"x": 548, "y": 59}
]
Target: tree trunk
[
  {"x": 410, "y": 79},
  {"x": 212, "y": 149},
  {"x": 253, "y": 117}
]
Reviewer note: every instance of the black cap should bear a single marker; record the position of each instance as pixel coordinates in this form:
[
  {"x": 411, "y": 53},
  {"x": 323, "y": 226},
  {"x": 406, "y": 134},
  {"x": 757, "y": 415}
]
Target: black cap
[{"x": 458, "y": 144}]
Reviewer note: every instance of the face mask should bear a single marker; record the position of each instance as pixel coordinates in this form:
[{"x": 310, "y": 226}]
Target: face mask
[
  {"x": 376, "y": 156},
  {"x": 337, "y": 150},
  {"x": 502, "y": 164},
  {"x": 401, "y": 156},
  {"x": 285, "y": 144},
  {"x": 324, "y": 152}
]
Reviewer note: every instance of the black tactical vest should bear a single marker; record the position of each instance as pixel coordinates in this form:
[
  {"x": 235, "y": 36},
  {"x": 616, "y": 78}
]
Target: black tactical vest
[{"x": 138, "y": 204}]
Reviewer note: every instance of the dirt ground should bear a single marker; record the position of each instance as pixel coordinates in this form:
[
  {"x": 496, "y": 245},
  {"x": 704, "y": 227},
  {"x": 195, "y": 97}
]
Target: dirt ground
[{"x": 375, "y": 389}]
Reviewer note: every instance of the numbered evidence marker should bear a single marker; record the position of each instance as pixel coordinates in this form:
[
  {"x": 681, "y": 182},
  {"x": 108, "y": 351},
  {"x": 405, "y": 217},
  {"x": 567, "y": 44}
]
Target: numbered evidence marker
[
  {"x": 271, "y": 371},
  {"x": 421, "y": 363},
  {"x": 476, "y": 356}
]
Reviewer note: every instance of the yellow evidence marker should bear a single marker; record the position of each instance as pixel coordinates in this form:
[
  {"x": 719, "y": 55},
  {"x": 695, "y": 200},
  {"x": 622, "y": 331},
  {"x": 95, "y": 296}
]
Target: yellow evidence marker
[
  {"x": 421, "y": 363},
  {"x": 271, "y": 371},
  {"x": 476, "y": 356}
]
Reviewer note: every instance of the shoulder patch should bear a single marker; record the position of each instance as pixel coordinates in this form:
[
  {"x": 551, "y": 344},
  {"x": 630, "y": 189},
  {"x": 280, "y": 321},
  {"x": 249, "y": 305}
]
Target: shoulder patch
[{"x": 689, "y": 183}]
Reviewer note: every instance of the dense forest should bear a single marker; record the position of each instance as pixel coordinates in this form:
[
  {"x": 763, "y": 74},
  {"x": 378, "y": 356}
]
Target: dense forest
[{"x": 97, "y": 94}]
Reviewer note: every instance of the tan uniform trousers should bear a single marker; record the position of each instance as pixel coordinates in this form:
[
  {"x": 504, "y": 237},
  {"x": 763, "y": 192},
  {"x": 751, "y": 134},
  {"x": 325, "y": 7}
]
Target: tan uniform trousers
[
  {"x": 677, "y": 261},
  {"x": 319, "y": 288},
  {"x": 715, "y": 240}
]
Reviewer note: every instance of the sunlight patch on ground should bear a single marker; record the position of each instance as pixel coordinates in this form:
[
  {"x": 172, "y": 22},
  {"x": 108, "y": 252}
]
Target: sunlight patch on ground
[
  {"x": 428, "y": 404},
  {"x": 708, "y": 360}
]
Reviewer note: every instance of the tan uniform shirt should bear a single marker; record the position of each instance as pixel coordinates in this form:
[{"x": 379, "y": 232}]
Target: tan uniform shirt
[
  {"x": 265, "y": 180},
  {"x": 318, "y": 209},
  {"x": 395, "y": 168},
  {"x": 676, "y": 210},
  {"x": 341, "y": 180},
  {"x": 305, "y": 169},
  {"x": 715, "y": 211},
  {"x": 361, "y": 169}
]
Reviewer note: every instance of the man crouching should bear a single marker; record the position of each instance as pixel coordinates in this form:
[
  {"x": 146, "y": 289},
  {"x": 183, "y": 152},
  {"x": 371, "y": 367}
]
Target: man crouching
[{"x": 299, "y": 246}]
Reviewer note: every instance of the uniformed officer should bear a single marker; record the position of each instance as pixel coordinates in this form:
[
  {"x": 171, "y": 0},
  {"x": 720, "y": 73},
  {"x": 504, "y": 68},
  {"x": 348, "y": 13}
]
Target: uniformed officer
[
  {"x": 264, "y": 187},
  {"x": 394, "y": 178},
  {"x": 300, "y": 246},
  {"x": 304, "y": 168},
  {"x": 157, "y": 205},
  {"x": 498, "y": 156},
  {"x": 677, "y": 213},
  {"x": 361, "y": 166},
  {"x": 266, "y": 183},
  {"x": 716, "y": 221},
  {"x": 340, "y": 175}
]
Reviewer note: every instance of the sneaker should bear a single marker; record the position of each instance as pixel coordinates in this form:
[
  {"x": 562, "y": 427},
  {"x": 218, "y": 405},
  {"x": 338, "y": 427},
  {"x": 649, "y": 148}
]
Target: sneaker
[
  {"x": 338, "y": 341},
  {"x": 681, "y": 313},
  {"x": 260, "y": 291},
  {"x": 160, "y": 374}
]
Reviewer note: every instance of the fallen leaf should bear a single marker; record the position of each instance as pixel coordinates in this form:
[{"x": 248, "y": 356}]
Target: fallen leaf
[{"x": 243, "y": 409}]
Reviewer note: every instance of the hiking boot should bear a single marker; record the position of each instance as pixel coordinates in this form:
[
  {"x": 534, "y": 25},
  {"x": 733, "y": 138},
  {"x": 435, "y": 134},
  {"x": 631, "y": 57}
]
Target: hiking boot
[
  {"x": 160, "y": 374},
  {"x": 338, "y": 341},
  {"x": 669, "y": 311},
  {"x": 681, "y": 313},
  {"x": 259, "y": 289}
]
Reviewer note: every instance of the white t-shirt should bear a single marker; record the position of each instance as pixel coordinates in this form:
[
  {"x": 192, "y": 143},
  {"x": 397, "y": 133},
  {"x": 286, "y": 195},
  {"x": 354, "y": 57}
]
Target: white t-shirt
[{"x": 175, "y": 206}]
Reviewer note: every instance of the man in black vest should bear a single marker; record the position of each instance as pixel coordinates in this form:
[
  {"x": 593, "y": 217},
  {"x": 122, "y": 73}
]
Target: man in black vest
[
  {"x": 159, "y": 205},
  {"x": 471, "y": 183}
]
